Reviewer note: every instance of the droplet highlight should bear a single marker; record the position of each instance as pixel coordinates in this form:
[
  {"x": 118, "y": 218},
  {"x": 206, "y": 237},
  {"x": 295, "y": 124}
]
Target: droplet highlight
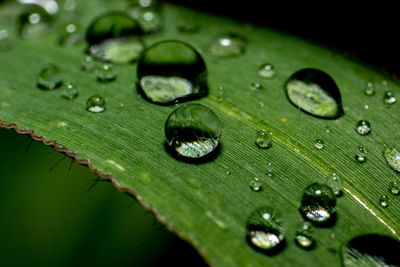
[
  {"x": 227, "y": 46},
  {"x": 314, "y": 92},
  {"x": 96, "y": 104},
  {"x": 263, "y": 139},
  {"x": 170, "y": 72},
  {"x": 363, "y": 127},
  {"x": 193, "y": 130}
]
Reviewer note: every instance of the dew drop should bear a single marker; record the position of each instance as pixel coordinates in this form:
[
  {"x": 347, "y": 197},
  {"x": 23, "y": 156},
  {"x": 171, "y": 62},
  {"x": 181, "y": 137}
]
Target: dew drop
[
  {"x": 389, "y": 98},
  {"x": 49, "y": 78},
  {"x": 369, "y": 89},
  {"x": 172, "y": 71},
  {"x": 34, "y": 22},
  {"x": 188, "y": 24},
  {"x": 70, "y": 36},
  {"x": 256, "y": 86},
  {"x": 270, "y": 172},
  {"x": 256, "y": 185},
  {"x": 384, "y": 201},
  {"x": 392, "y": 156},
  {"x": 5, "y": 43},
  {"x": 319, "y": 144},
  {"x": 361, "y": 154},
  {"x": 96, "y": 104},
  {"x": 105, "y": 73},
  {"x": 335, "y": 183},
  {"x": 315, "y": 92},
  {"x": 263, "y": 139},
  {"x": 305, "y": 237},
  {"x": 371, "y": 250},
  {"x": 318, "y": 203},
  {"x": 70, "y": 92},
  {"x": 149, "y": 18},
  {"x": 394, "y": 187},
  {"x": 227, "y": 45},
  {"x": 264, "y": 230},
  {"x": 193, "y": 130},
  {"x": 267, "y": 71},
  {"x": 88, "y": 64},
  {"x": 363, "y": 127}
]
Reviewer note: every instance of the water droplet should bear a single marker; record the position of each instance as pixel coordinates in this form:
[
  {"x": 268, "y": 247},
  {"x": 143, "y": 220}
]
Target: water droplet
[
  {"x": 49, "y": 78},
  {"x": 88, "y": 64},
  {"x": 394, "y": 187},
  {"x": 193, "y": 130},
  {"x": 319, "y": 144},
  {"x": 256, "y": 86},
  {"x": 96, "y": 104},
  {"x": 269, "y": 169},
  {"x": 148, "y": 18},
  {"x": 264, "y": 230},
  {"x": 318, "y": 203},
  {"x": 227, "y": 45},
  {"x": 363, "y": 127},
  {"x": 389, "y": 98},
  {"x": 70, "y": 36},
  {"x": 263, "y": 139},
  {"x": 361, "y": 154},
  {"x": 384, "y": 201},
  {"x": 69, "y": 5},
  {"x": 392, "y": 157},
  {"x": 256, "y": 184},
  {"x": 315, "y": 92},
  {"x": 188, "y": 24},
  {"x": 172, "y": 71},
  {"x": 305, "y": 237},
  {"x": 70, "y": 92},
  {"x": 34, "y": 22},
  {"x": 105, "y": 73},
  {"x": 266, "y": 71},
  {"x": 5, "y": 43},
  {"x": 335, "y": 183},
  {"x": 327, "y": 130},
  {"x": 144, "y": 3},
  {"x": 369, "y": 89},
  {"x": 371, "y": 250}
]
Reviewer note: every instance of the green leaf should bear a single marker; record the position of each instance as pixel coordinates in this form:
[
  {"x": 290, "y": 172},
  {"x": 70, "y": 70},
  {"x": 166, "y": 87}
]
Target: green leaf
[{"x": 202, "y": 202}]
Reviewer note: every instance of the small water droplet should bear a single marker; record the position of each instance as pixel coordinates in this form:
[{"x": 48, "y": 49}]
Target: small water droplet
[
  {"x": 256, "y": 86},
  {"x": 267, "y": 71},
  {"x": 70, "y": 92},
  {"x": 318, "y": 203},
  {"x": 256, "y": 184},
  {"x": 70, "y": 36},
  {"x": 193, "y": 130},
  {"x": 394, "y": 187},
  {"x": 188, "y": 24},
  {"x": 105, "y": 73},
  {"x": 96, "y": 104},
  {"x": 148, "y": 18},
  {"x": 263, "y": 139},
  {"x": 319, "y": 144},
  {"x": 49, "y": 78},
  {"x": 264, "y": 230},
  {"x": 384, "y": 201},
  {"x": 363, "y": 127},
  {"x": 5, "y": 43},
  {"x": 34, "y": 22},
  {"x": 384, "y": 83},
  {"x": 315, "y": 92},
  {"x": 172, "y": 71},
  {"x": 88, "y": 64},
  {"x": 369, "y": 89},
  {"x": 270, "y": 172},
  {"x": 361, "y": 154},
  {"x": 335, "y": 183},
  {"x": 227, "y": 45},
  {"x": 69, "y": 5},
  {"x": 327, "y": 130},
  {"x": 392, "y": 156},
  {"x": 389, "y": 98},
  {"x": 305, "y": 237}
]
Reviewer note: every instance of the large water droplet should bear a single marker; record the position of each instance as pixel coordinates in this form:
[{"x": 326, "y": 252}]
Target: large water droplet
[
  {"x": 49, "y": 78},
  {"x": 263, "y": 139},
  {"x": 384, "y": 201},
  {"x": 319, "y": 144},
  {"x": 361, "y": 154},
  {"x": 335, "y": 183},
  {"x": 392, "y": 156},
  {"x": 371, "y": 251},
  {"x": 315, "y": 92},
  {"x": 394, "y": 187},
  {"x": 369, "y": 89},
  {"x": 305, "y": 237},
  {"x": 70, "y": 92},
  {"x": 96, "y": 104},
  {"x": 264, "y": 230},
  {"x": 228, "y": 45},
  {"x": 113, "y": 38},
  {"x": 318, "y": 203},
  {"x": 105, "y": 73},
  {"x": 172, "y": 71},
  {"x": 193, "y": 130},
  {"x": 267, "y": 71},
  {"x": 363, "y": 127},
  {"x": 389, "y": 98},
  {"x": 256, "y": 184},
  {"x": 34, "y": 22}
]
